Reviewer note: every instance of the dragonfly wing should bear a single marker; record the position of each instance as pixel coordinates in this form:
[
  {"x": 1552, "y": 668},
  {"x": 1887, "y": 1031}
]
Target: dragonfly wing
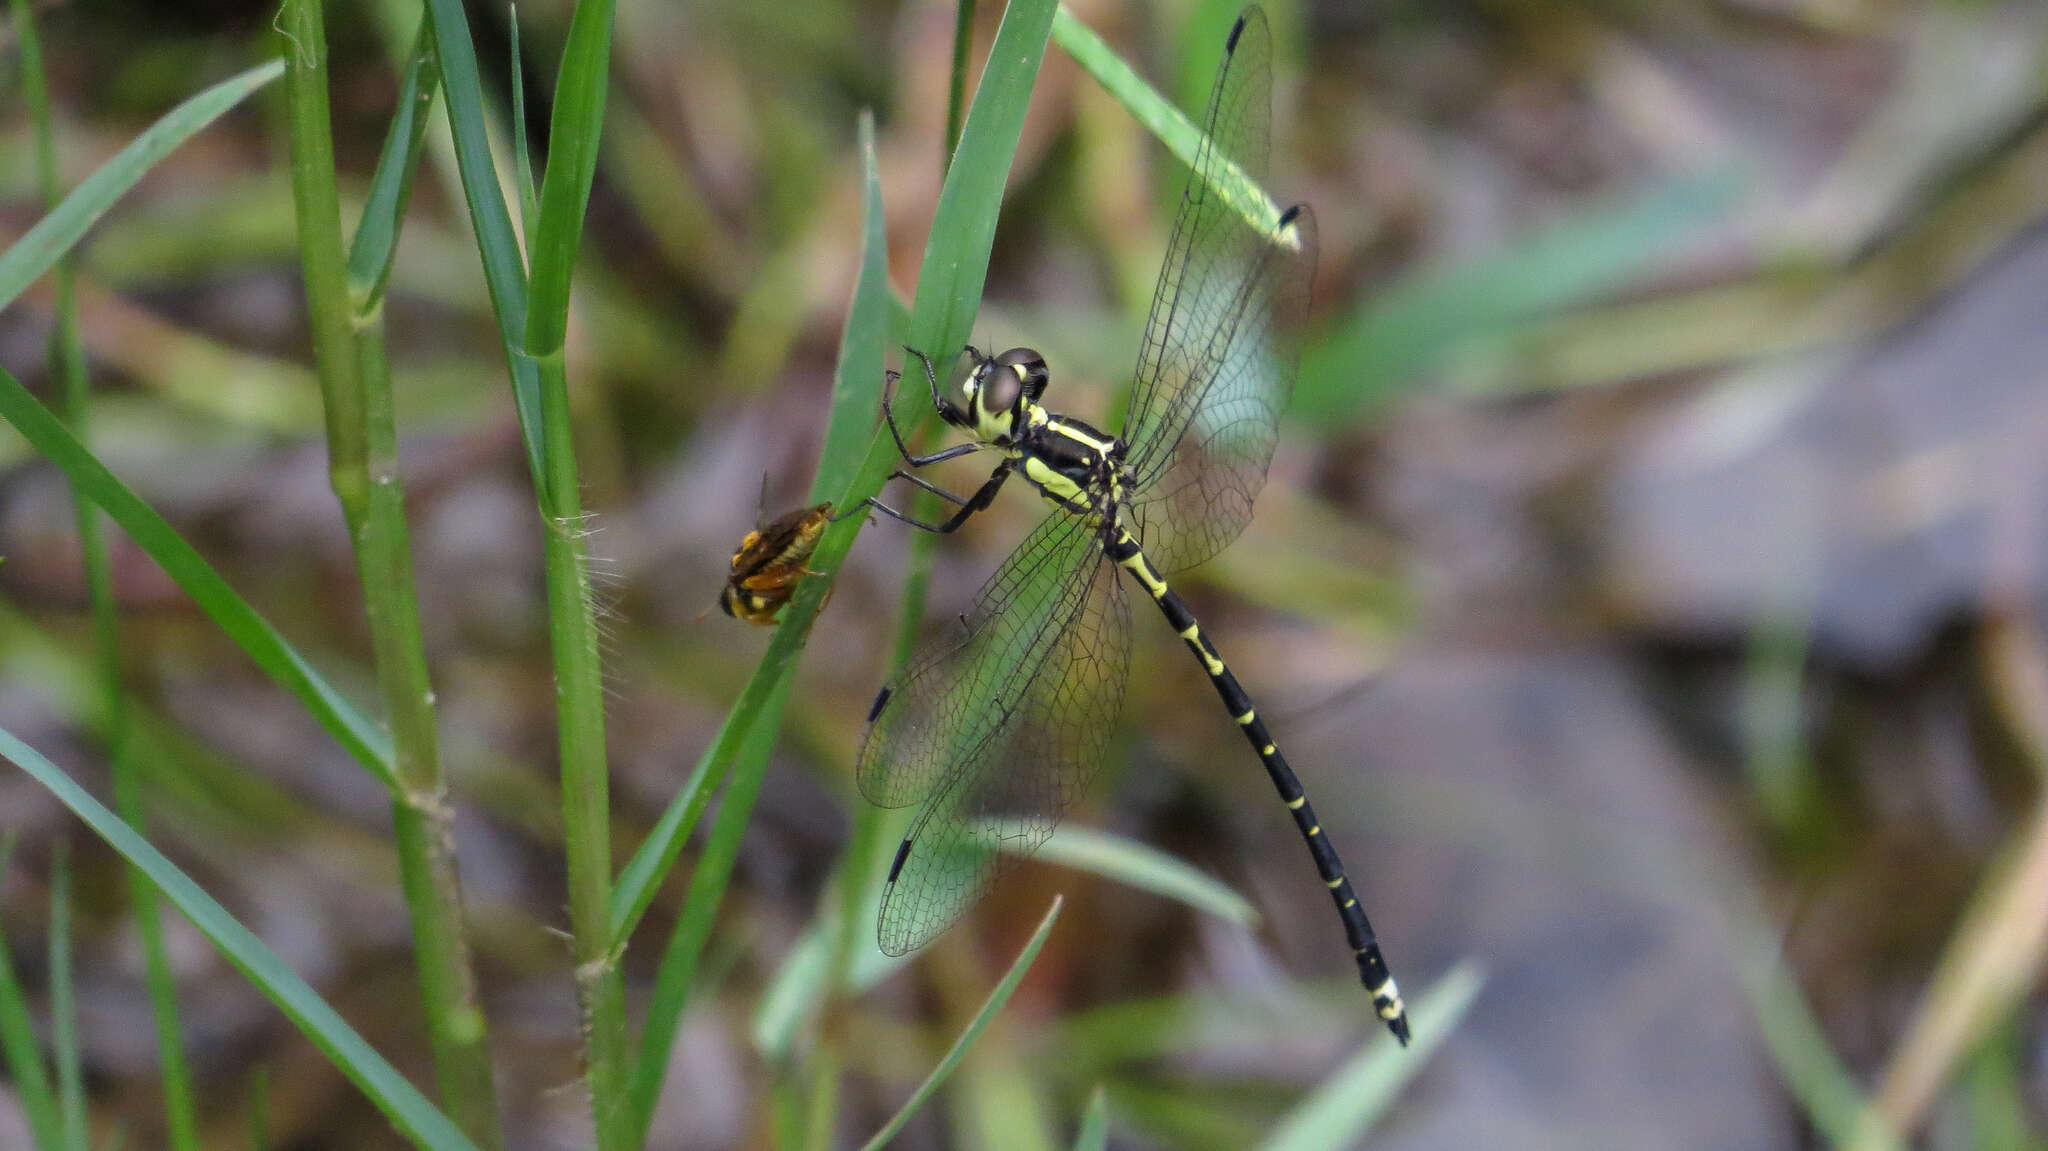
[
  {"x": 1212, "y": 378},
  {"x": 1054, "y": 688},
  {"x": 935, "y": 711}
]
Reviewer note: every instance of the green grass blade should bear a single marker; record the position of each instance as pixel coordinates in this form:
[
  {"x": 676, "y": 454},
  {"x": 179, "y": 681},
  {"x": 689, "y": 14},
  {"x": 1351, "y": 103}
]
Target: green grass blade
[
  {"x": 1159, "y": 117},
  {"x": 1338, "y": 1113},
  {"x": 850, "y": 431},
  {"x": 989, "y": 1009},
  {"x": 798, "y": 986},
  {"x": 857, "y": 393},
  {"x": 1807, "y": 1063},
  {"x": 522, "y": 148},
  {"x": 363, "y": 739},
  {"x": 407, "y": 1109},
  {"x": 1094, "y": 1132},
  {"x": 64, "y": 1004},
  {"x": 1147, "y": 868},
  {"x": 949, "y": 293},
  {"x": 376, "y": 237},
  {"x": 25, "y": 1071},
  {"x": 956, "y": 81},
  {"x": 46, "y": 243},
  {"x": 497, "y": 243},
  {"x": 949, "y": 283},
  {"x": 574, "y": 133},
  {"x": 1387, "y": 342},
  {"x": 68, "y": 363}
]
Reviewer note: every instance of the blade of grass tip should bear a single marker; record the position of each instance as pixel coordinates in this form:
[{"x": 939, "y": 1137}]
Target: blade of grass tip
[
  {"x": 497, "y": 242},
  {"x": 692, "y": 931},
  {"x": 67, "y": 358},
  {"x": 375, "y": 242},
  {"x": 1147, "y": 868},
  {"x": 64, "y": 1003},
  {"x": 949, "y": 283},
  {"x": 849, "y": 431},
  {"x": 25, "y": 1070},
  {"x": 364, "y": 740},
  {"x": 1339, "y": 1112},
  {"x": 317, "y": 208},
  {"x": 522, "y": 152},
  {"x": 1094, "y": 1132},
  {"x": 989, "y": 1009},
  {"x": 1159, "y": 116},
  {"x": 574, "y": 133},
  {"x": 408, "y": 1110},
  {"x": 956, "y": 86},
  {"x": 857, "y": 388},
  {"x": 55, "y": 234},
  {"x": 798, "y": 986}
]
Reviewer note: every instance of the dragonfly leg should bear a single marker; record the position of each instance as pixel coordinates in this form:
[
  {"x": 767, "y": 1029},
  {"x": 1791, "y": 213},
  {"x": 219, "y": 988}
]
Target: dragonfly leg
[
  {"x": 982, "y": 497},
  {"x": 947, "y": 409},
  {"x": 931, "y": 487}
]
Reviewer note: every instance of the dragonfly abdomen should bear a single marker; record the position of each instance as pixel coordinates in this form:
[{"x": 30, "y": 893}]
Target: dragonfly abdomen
[{"x": 1125, "y": 551}]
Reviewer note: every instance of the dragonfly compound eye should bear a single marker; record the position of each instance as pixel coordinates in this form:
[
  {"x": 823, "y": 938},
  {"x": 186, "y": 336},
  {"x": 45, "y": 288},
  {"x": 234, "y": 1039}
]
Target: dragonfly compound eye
[
  {"x": 1027, "y": 367},
  {"x": 1000, "y": 387}
]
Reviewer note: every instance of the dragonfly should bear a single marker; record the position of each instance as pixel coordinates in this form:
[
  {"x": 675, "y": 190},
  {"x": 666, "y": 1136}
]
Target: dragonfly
[{"x": 996, "y": 725}]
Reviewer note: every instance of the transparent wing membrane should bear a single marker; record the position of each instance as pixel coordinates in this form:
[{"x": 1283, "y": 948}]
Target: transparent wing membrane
[
  {"x": 1002, "y": 725},
  {"x": 1216, "y": 366}
]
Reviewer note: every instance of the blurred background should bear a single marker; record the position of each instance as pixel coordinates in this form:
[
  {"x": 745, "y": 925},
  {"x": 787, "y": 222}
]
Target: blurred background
[{"x": 1645, "y": 593}]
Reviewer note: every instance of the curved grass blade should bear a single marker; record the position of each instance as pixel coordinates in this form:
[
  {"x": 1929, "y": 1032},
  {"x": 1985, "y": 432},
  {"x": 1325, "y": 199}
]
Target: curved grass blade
[
  {"x": 1338, "y": 1113},
  {"x": 949, "y": 284},
  {"x": 407, "y": 1109},
  {"x": 1807, "y": 1064},
  {"x": 68, "y": 362},
  {"x": 573, "y": 135},
  {"x": 859, "y": 369},
  {"x": 1094, "y": 1132},
  {"x": 40, "y": 249},
  {"x": 376, "y": 237},
  {"x": 522, "y": 148},
  {"x": 496, "y": 241},
  {"x": 363, "y": 739},
  {"x": 1159, "y": 116},
  {"x": 996, "y": 999},
  {"x": 1147, "y": 868}
]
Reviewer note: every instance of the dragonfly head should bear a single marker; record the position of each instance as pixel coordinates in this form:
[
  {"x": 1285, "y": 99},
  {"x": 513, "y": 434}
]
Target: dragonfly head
[{"x": 1000, "y": 389}]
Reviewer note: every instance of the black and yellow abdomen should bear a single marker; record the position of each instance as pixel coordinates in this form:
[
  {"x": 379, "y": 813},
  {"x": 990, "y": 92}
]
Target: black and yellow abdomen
[{"x": 1372, "y": 966}]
